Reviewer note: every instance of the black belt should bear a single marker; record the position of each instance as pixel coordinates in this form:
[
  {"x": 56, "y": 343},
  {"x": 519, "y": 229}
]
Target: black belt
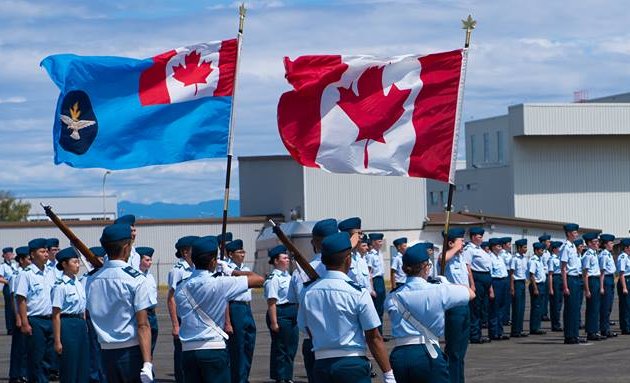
[
  {"x": 240, "y": 303},
  {"x": 77, "y": 316},
  {"x": 480, "y": 272},
  {"x": 593, "y": 276},
  {"x": 574, "y": 276},
  {"x": 151, "y": 311},
  {"x": 378, "y": 276},
  {"x": 41, "y": 316},
  {"x": 287, "y": 304},
  {"x": 499, "y": 279},
  {"x": 609, "y": 275}
]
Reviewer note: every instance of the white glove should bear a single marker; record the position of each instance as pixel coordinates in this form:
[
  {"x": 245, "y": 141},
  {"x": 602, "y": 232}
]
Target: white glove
[
  {"x": 388, "y": 377},
  {"x": 146, "y": 374},
  {"x": 223, "y": 267}
]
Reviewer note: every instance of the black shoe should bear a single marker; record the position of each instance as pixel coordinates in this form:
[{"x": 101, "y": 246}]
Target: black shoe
[
  {"x": 612, "y": 323},
  {"x": 557, "y": 329},
  {"x": 53, "y": 376},
  {"x": 485, "y": 339},
  {"x": 593, "y": 337},
  {"x": 545, "y": 319},
  {"x": 582, "y": 340},
  {"x": 476, "y": 341},
  {"x": 508, "y": 323},
  {"x": 611, "y": 334},
  {"x": 538, "y": 332},
  {"x": 505, "y": 337},
  {"x": 372, "y": 373},
  {"x": 571, "y": 341},
  {"x": 524, "y": 335}
]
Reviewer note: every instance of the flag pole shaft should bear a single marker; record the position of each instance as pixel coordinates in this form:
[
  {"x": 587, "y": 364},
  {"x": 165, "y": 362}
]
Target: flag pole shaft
[
  {"x": 469, "y": 24},
  {"x": 228, "y": 172}
]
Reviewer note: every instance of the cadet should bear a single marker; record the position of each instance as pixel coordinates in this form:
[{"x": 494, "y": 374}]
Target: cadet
[
  {"x": 180, "y": 271},
  {"x": 608, "y": 269},
  {"x": 500, "y": 285},
  {"x": 593, "y": 286},
  {"x": 544, "y": 294},
  {"x": 339, "y": 336},
  {"x": 457, "y": 319},
  {"x": 7, "y": 269},
  {"x": 201, "y": 303},
  {"x": 134, "y": 257},
  {"x": 397, "y": 275},
  {"x": 359, "y": 271},
  {"x": 480, "y": 264},
  {"x": 146, "y": 260},
  {"x": 52, "y": 244},
  {"x": 18, "y": 368},
  {"x": 68, "y": 319},
  {"x": 51, "y": 359},
  {"x": 506, "y": 254},
  {"x": 572, "y": 285},
  {"x": 555, "y": 286},
  {"x": 580, "y": 248},
  {"x": 243, "y": 339},
  {"x": 281, "y": 317},
  {"x": 320, "y": 230},
  {"x": 97, "y": 372},
  {"x": 417, "y": 310},
  {"x": 125, "y": 338},
  {"x": 377, "y": 271},
  {"x": 518, "y": 275},
  {"x": 623, "y": 266},
  {"x": 538, "y": 276}
]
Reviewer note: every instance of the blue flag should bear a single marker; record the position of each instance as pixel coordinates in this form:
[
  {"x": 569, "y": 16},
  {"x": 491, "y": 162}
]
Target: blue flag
[{"x": 123, "y": 113}]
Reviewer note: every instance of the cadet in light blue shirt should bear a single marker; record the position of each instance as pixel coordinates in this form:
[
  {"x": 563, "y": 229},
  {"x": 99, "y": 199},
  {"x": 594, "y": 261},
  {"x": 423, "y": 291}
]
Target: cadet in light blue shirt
[
  {"x": 377, "y": 271},
  {"x": 243, "y": 338},
  {"x": 538, "y": 276},
  {"x": 201, "y": 303},
  {"x": 281, "y": 316},
  {"x": 572, "y": 285},
  {"x": 18, "y": 368},
  {"x": 481, "y": 265},
  {"x": 146, "y": 260},
  {"x": 125, "y": 338},
  {"x": 608, "y": 269},
  {"x": 500, "y": 286},
  {"x": 97, "y": 372},
  {"x": 544, "y": 293},
  {"x": 593, "y": 286},
  {"x": 7, "y": 268},
  {"x": 68, "y": 319},
  {"x": 34, "y": 305},
  {"x": 506, "y": 254},
  {"x": 555, "y": 286},
  {"x": 623, "y": 266},
  {"x": 518, "y": 275},
  {"x": 340, "y": 315},
  {"x": 359, "y": 270},
  {"x": 397, "y": 275},
  {"x": 417, "y": 311}
]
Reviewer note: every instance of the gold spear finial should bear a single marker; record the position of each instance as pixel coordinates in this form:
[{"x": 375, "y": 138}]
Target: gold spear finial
[
  {"x": 241, "y": 11},
  {"x": 469, "y": 24}
]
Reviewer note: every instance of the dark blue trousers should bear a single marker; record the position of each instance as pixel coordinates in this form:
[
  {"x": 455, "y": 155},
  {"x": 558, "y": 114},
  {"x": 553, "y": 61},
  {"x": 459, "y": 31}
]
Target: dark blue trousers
[
  {"x": 309, "y": 358},
  {"x": 624, "y": 306},
  {"x": 9, "y": 315},
  {"x": 122, "y": 365},
  {"x": 518, "y": 308},
  {"x": 606, "y": 304},
  {"x": 507, "y": 308},
  {"x": 544, "y": 295},
  {"x": 74, "y": 363},
  {"x": 153, "y": 323},
  {"x": 572, "y": 307},
  {"x": 555, "y": 302},
  {"x": 593, "y": 306},
  {"x": 479, "y": 305},
  {"x": 18, "y": 367},
  {"x": 413, "y": 364},
  {"x": 37, "y": 344},
  {"x": 206, "y": 366},
  {"x": 535, "y": 306},
  {"x": 456, "y": 332},
  {"x": 379, "y": 300},
  {"x": 97, "y": 372},
  {"x": 355, "y": 369},
  {"x": 242, "y": 341},
  {"x": 497, "y": 307},
  {"x": 177, "y": 358},
  {"x": 283, "y": 343}
]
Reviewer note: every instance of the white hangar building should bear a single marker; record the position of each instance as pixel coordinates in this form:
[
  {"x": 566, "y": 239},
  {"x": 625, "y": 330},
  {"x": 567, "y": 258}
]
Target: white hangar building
[{"x": 560, "y": 162}]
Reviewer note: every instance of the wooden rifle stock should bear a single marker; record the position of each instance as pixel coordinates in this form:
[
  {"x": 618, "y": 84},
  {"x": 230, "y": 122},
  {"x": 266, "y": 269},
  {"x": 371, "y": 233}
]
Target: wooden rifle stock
[
  {"x": 74, "y": 240},
  {"x": 299, "y": 258}
]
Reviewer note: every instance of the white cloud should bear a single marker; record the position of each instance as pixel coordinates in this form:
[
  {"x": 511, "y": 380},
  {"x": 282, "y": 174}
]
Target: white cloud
[{"x": 13, "y": 100}]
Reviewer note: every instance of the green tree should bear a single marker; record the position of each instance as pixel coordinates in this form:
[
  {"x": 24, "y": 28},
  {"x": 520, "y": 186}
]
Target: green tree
[{"x": 11, "y": 209}]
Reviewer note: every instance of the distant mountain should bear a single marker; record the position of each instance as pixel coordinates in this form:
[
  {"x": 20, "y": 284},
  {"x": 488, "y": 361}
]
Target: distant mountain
[{"x": 160, "y": 210}]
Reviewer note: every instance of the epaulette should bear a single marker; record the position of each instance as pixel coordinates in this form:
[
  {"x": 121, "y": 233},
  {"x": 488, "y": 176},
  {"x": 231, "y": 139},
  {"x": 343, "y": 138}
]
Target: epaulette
[
  {"x": 353, "y": 284},
  {"x": 269, "y": 276},
  {"x": 178, "y": 266},
  {"x": 397, "y": 288},
  {"x": 434, "y": 281},
  {"x": 182, "y": 280},
  {"x": 59, "y": 281},
  {"x": 217, "y": 274},
  {"x": 307, "y": 283},
  {"x": 131, "y": 271},
  {"x": 93, "y": 271}
]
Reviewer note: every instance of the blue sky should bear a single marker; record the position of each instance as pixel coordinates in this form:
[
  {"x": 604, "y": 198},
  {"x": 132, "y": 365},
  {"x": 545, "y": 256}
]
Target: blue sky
[{"x": 522, "y": 51}]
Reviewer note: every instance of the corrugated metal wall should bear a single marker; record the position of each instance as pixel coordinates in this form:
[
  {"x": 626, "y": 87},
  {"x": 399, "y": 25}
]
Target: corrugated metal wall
[
  {"x": 383, "y": 203},
  {"x": 581, "y": 179},
  {"x": 161, "y": 237}
]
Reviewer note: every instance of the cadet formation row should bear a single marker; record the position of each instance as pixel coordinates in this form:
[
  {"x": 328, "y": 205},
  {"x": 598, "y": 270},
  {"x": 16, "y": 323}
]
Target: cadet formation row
[{"x": 101, "y": 327}]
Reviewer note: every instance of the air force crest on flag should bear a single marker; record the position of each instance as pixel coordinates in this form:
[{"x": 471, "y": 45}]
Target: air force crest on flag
[{"x": 78, "y": 122}]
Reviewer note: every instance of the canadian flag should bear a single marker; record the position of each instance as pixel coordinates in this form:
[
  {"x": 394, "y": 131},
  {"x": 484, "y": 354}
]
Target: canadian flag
[
  {"x": 369, "y": 115},
  {"x": 189, "y": 73}
]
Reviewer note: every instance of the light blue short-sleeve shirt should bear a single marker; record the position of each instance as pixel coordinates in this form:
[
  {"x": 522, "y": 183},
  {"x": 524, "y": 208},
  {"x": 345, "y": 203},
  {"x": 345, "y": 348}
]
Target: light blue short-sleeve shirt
[
  {"x": 479, "y": 259},
  {"x": 68, "y": 294},
  {"x": 607, "y": 262},
  {"x": 276, "y": 286},
  {"x": 519, "y": 267},
  {"x": 375, "y": 263},
  {"x": 623, "y": 264},
  {"x": 180, "y": 271},
  {"x": 554, "y": 264},
  {"x": 247, "y": 295},
  {"x": 498, "y": 267},
  {"x": 299, "y": 278},
  {"x": 590, "y": 263},
  {"x": 537, "y": 269},
  {"x": 397, "y": 266},
  {"x": 568, "y": 254},
  {"x": 457, "y": 270},
  {"x": 35, "y": 285}
]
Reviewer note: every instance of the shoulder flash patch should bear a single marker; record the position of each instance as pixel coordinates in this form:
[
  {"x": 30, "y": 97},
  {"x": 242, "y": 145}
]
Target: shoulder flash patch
[
  {"x": 397, "y": 288},
  {"x": 131, "y": 271},
  {"x": 307, "y": 283},
  {"x": 270, "y": 276},
  {"x": 93, "y": 271},
  {"x": 353, "y": 284},
  {"x": 217, "y": 274},
  {"x": 180, "y": 281},
  {"x": 435, "y": 281}
]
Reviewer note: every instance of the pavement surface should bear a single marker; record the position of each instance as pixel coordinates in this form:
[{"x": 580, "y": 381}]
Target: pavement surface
[{"x": 541, "y": 358}]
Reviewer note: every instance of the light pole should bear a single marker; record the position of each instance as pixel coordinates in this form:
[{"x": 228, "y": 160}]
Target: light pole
[{"x": 104, "y": 178}]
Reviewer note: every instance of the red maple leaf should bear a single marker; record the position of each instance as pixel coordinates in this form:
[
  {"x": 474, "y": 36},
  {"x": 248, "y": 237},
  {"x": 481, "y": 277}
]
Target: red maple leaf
[
  {"x": 195, "y": 72},
  {"x": 371, "y": 110}
]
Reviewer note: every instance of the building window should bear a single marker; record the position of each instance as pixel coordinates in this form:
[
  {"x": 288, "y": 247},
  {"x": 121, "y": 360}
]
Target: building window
[
  {"x": 473, "y": 149},
  {"x": 500, "y": 154},
  {"x": 486, "y": 147},
  {"x": 433, "y": 197},
  {"x": 442, "y": 198}
]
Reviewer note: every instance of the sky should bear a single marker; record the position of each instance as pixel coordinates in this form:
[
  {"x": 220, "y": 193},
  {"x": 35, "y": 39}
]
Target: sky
[{"x": 521, "y": 51}]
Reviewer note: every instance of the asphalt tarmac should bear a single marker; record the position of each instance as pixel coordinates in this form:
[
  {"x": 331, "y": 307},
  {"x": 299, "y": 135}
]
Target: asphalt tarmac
[{"x": 542, "y": 358}]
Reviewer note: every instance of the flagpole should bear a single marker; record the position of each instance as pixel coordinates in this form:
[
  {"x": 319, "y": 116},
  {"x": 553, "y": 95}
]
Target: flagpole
[
  {"x": 228, "y": 173},
  {"x": 469, "y": 24}
]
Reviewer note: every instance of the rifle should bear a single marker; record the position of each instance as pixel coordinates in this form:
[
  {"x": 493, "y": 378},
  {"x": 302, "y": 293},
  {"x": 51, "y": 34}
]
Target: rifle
[
  {"x": 74, "y": 240},
  {"x": 299, "y": 258}
]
